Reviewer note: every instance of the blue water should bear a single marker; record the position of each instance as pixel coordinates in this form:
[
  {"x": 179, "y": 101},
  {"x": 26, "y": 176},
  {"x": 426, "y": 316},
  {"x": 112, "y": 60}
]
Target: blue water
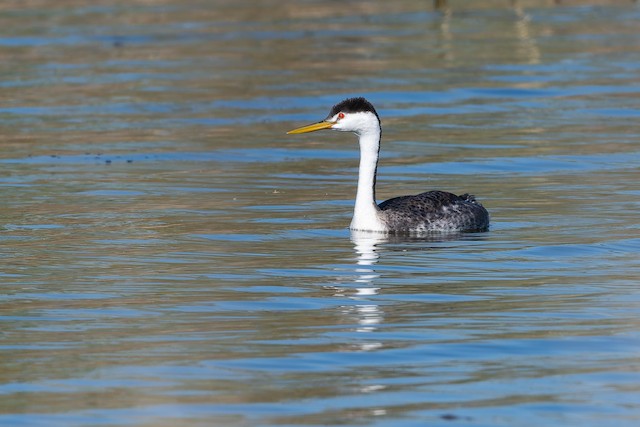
[{"x": 169, "y": 256}]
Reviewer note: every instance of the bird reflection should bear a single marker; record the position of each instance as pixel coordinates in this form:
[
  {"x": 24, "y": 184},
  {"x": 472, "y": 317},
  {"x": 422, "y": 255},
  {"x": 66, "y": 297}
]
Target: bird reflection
[
  {"x": 363, "y": 289},
  {"x": 369, "y": 315}
]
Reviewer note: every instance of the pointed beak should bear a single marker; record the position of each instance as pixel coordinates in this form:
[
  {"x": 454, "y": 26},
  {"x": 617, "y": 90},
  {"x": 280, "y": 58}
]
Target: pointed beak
[{"x": 312, "y": 128}]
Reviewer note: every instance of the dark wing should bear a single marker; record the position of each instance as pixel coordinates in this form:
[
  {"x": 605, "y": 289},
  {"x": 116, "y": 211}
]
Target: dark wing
[{"x": 434, "y": 210}]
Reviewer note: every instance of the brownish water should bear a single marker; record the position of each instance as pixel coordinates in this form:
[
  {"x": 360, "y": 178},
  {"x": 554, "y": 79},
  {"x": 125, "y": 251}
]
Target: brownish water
[{"x": 170, "y": 257}]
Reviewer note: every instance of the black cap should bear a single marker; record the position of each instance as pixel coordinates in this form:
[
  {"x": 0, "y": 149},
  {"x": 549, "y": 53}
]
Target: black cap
[{"x": 353, "y": 105}]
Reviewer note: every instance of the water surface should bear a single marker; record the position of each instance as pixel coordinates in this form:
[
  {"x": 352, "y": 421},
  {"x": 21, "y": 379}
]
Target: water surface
[{"x": 170, "y": 257}]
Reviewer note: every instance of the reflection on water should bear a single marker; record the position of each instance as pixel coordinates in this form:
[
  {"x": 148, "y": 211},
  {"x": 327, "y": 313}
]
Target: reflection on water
[
  {"x": 168, "y": 257},
  {"x": 528, "y": 48},
  {"x": 370, "y": 315}
]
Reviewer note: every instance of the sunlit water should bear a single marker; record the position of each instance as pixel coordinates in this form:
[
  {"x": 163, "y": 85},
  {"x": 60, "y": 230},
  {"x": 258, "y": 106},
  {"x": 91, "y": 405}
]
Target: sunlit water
[{"x": 170, "y": 257}]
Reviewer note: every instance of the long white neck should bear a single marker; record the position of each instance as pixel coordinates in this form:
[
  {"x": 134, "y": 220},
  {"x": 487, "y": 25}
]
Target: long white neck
[{"x": 366, "y": 214}]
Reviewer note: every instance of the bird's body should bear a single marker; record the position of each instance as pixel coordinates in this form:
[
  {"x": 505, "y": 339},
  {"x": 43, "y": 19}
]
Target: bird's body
[
  {"x": 434, "y": 211},
  {"x": 425, "y": 212}
]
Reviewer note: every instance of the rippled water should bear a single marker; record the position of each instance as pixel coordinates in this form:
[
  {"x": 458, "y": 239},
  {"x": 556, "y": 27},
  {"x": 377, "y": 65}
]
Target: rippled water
[{"x": 170, "y": 257}]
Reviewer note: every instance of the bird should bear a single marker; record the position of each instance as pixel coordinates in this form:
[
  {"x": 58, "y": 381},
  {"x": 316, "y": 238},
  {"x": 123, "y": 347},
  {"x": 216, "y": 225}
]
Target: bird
[{"x": 431, "y": 211}]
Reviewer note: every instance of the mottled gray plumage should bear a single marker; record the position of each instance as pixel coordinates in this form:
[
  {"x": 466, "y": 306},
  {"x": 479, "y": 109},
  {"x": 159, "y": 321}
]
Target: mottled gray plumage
[{"x": 434, "y": 211}]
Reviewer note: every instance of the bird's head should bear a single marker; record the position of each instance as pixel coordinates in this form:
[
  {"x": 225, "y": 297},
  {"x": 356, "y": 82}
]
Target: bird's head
[{"x": 355, "y": 115}]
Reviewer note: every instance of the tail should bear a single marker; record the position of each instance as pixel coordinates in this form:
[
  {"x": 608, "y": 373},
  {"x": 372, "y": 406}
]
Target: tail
[{"x": 469, "y": 198}]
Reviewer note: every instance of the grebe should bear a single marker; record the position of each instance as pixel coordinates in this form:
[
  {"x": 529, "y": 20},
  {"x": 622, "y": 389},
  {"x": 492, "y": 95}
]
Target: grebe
[{"x": 430, "y": 211}]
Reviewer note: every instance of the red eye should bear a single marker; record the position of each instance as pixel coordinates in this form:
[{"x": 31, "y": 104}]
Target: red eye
[{"x": 341, "y": 116}]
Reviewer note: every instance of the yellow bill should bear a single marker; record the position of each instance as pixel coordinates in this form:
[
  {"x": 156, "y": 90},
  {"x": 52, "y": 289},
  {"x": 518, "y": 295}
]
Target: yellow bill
[{"x": 312, "y": 128}]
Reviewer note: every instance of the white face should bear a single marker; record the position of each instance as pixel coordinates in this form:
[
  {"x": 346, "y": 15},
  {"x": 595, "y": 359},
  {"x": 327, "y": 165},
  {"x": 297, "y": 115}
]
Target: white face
[{"x": 359, "y": 123}]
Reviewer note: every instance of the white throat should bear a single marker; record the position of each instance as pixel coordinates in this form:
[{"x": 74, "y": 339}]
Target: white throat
[{"x": 366, "y": 214}]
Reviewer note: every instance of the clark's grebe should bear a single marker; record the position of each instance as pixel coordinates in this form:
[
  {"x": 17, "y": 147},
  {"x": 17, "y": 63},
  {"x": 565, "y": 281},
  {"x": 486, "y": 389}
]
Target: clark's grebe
[{"x": 430, "y": 211}]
